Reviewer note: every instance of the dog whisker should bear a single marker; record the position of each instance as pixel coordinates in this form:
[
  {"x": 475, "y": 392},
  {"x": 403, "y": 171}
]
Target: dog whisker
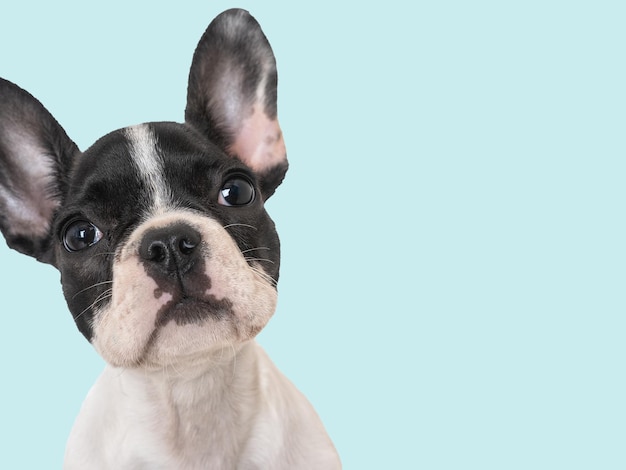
[
  {"x": 259, "y": 259},
  {"x": 264, "y": 283},
  {"x": 263, "y": 275},
  {"x": 254, "y": 249},
  {"x": 105, "y": 295},
  {"x": 91, "y": 287},
  {"x": 240, "y": 225},
  {"x": 106, "y": 253}
]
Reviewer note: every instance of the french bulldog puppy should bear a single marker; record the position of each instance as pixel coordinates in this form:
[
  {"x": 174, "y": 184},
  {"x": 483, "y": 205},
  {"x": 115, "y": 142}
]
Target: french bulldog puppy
[{"x": 169, "y": 264}]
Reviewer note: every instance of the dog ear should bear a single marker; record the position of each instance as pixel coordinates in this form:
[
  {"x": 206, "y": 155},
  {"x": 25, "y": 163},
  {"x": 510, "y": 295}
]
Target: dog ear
[
  {"x": 231, "y": 97},
  {"x": 35, "y": 156}
]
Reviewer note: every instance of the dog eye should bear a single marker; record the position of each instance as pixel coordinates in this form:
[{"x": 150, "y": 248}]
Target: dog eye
[
  {"x": 80, "y": 234},
  {"x": 236, "y": 191}
]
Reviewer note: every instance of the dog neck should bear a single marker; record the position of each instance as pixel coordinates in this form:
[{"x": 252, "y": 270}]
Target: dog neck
[{"x": 194, "y": 409}]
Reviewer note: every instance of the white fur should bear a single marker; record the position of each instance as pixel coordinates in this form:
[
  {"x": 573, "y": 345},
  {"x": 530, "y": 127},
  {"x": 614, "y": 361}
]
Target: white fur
[
  {"x": 149, "y": 164},
  {"x": 232, "y": 410}
]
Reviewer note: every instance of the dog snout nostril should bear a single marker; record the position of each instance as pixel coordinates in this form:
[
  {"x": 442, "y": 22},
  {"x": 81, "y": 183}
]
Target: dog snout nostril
[
  {"x": 173, "y": 248},
  {"x": 157, "y": 251},
  {"x": 187, "y": 246}
]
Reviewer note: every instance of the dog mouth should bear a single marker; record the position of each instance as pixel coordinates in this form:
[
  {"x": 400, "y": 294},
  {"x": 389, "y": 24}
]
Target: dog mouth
[
  {"x": 185, "y": 309},
  {"x": 185, "y": 297}
]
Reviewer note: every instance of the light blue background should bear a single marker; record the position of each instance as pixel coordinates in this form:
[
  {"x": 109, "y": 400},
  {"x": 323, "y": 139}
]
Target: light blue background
[{"x": 452, "y": 289}]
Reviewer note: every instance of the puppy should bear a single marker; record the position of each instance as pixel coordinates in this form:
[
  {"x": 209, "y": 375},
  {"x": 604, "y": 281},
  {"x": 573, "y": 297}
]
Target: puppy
[{"x": 169, "y": 264}]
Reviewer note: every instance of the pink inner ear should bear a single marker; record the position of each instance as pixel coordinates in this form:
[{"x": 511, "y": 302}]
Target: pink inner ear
[
  {"x": 259, "y": 142},
  {"x": 29, "y": 205}
]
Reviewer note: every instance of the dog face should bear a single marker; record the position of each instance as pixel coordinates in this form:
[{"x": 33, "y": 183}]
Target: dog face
[
  {"x": 188, "y": 260},
  {"x": 159, "y": 230}
]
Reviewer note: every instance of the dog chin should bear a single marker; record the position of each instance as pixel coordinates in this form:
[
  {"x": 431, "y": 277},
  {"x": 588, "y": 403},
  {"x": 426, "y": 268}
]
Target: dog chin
[{"x": 169, "y": 344}]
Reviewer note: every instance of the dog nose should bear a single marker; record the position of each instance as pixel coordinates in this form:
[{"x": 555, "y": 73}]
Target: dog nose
[{"x": 172, "y": 249}]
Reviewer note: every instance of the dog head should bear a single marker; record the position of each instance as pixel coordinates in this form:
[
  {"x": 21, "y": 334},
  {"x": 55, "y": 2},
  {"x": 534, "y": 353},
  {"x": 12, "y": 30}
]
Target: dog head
[{"x": 158, "y": 230}]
